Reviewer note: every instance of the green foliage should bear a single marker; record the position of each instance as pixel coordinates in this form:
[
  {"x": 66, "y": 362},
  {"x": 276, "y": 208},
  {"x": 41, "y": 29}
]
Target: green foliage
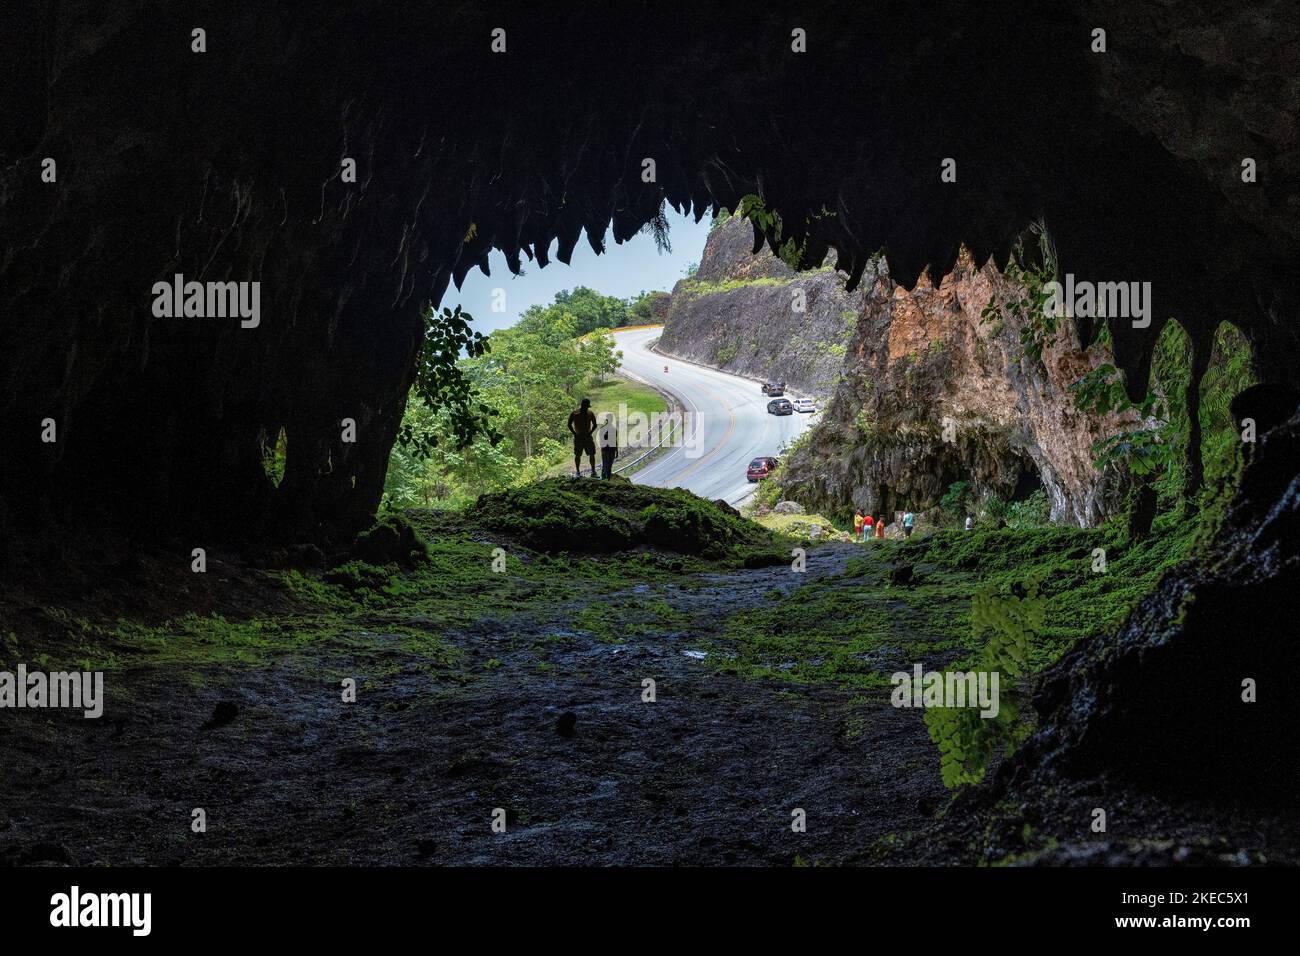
[
  {"x": 1034, "y": 512},
  {"x": 444, "y": 474},
  {"x": 768, "y": 492},
  {"x": 641, "y": 309},
  {"x": 865, "y": 426},
  {"x": 1146, "y": 450},
  {"x": 824, "y": 632},
  {"x": 955, "y": 500},
  {"x": 574, "y": 314},
  {"x": 1084, "y": 602},
  {"x": 754, "y": 208},
  {"x": 1229, "y": 372},
  {"x": 966, "y": 740},
  {"x": 273, "y": 458},
  {"x": 563, "y": 514},
  {"x": 1155, "y": 447},
  {"x": 695, "y": 286},
  {"x": 526, "y": 378},
  {"x": 442, "y": 385},
  {"x": 358, "y": 576},
  {"x": 1029, "y": 272}
]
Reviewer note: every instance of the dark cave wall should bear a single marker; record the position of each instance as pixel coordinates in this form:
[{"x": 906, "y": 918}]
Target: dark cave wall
[{"x": 225, "y": 165}]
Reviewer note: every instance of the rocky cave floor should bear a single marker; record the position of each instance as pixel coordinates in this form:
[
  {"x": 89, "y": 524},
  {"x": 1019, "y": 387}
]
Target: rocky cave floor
[{"x": 535, "y": 706}]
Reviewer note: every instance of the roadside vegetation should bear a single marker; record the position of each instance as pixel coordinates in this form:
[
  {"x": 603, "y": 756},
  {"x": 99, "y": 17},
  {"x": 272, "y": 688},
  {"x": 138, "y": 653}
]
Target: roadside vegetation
[{"x": 528, "y": 378}]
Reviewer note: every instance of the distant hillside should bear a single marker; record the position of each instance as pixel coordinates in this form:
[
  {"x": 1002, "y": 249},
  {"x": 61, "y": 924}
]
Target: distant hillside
[{"x": 754, "y": 316}]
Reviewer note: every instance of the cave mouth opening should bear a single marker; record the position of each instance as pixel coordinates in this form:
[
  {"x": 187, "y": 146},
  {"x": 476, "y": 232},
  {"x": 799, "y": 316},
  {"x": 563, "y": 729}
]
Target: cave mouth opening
[
  {"x": 549, "y": 341},
  {"x": 1027, "y": 483}
]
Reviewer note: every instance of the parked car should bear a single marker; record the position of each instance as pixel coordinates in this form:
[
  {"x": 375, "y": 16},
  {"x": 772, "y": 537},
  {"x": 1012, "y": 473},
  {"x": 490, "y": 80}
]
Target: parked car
[
  {"x": 780, "y": 406},
  {"x": 804, "y": 405},
  {"x": 760, "y": 468},
  {"x": 772, "y": 389}
]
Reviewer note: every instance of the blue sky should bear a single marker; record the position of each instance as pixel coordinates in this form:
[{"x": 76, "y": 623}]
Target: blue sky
[{"x": 621, "y": 270}]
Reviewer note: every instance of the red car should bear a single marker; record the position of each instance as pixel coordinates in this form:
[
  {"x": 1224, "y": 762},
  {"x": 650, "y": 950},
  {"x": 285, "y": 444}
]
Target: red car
[{"x": 761, "y": 467}]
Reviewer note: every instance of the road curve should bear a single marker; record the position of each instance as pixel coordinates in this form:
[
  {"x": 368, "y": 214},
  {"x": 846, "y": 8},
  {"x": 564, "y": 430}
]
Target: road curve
[{"x": 729, "y": 412}]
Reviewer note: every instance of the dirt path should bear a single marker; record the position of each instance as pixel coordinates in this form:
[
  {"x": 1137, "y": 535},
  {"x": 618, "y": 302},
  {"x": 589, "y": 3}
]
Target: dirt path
[{"x": 709, "y": 773}]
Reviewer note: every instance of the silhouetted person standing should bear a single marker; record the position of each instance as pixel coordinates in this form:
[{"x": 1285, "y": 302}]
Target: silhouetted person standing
[
  {"x": 582, "y": 425},
  {"x": 608, "y": 445}
]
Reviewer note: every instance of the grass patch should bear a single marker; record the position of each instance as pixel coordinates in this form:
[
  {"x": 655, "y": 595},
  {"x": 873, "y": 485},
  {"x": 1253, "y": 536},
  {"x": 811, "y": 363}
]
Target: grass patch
[
  {"x": 615, "y": 392},
  {"x": 1081, "y": 602}
]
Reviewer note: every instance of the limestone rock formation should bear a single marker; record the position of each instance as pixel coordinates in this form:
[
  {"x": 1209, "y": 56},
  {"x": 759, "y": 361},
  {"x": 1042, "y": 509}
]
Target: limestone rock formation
[
  {"x": 749, "y": 313},
  {"x": 931, "y": 394},
  {"x": 922, "y": 392}
]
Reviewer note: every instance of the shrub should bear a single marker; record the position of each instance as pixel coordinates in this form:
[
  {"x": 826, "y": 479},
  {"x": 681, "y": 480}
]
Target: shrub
[{"x": 954, "y": 502}]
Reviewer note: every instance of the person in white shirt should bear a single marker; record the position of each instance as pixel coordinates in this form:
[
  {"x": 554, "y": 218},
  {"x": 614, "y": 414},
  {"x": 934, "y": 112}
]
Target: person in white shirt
[
  {"x": 970, "y": 523},
  {"x": 608, "y": 438}
]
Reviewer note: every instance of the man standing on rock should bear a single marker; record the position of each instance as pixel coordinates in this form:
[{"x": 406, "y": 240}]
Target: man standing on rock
[
  {"x": 582, "y": 425},
  {"x": 608, "y": 445}
]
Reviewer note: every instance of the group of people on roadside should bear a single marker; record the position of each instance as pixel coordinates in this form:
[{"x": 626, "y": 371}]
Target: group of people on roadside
[
  {"x": 873, "y": 526},
  {"x": 586, "y": 433}
]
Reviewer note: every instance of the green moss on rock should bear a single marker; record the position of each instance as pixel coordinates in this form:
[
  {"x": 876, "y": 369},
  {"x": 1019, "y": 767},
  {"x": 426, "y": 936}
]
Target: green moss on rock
[{"x": 564, "y": 514}]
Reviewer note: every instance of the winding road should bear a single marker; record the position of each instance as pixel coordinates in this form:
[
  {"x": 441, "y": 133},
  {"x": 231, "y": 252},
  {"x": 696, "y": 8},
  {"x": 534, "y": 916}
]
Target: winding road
[{"x": 729, "y": 412}]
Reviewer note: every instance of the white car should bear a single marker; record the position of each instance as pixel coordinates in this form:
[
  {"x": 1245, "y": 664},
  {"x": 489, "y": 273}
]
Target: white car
[{"x": 804, "y": 405}]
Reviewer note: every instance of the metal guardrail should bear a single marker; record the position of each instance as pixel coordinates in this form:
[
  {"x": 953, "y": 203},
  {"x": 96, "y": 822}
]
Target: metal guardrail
[{"x": 640, "y": 458}]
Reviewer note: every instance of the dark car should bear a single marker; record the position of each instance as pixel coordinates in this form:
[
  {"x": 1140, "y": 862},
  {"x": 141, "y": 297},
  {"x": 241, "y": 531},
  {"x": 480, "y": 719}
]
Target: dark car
[
  {"x": 761, "y": 468},
  {"x": 780, "y": 406},
  {"x": 773, "y": 388}
]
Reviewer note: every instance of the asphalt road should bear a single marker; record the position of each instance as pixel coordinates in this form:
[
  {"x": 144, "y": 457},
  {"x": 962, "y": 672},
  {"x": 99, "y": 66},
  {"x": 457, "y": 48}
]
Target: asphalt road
[{"x": 727, "y": 422}]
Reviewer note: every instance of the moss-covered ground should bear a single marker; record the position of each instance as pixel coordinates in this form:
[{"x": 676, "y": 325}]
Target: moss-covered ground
[{"x": 769, "y": 674}]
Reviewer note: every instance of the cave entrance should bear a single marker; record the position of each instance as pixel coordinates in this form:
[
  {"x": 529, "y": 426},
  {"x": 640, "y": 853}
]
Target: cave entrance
[
  {"x": 555, "y": 336},
  {"x": 1028, "y": 482}
]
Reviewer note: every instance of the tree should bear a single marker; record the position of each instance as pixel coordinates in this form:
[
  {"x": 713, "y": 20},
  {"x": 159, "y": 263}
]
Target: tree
[{"x": 441, "y": 384}]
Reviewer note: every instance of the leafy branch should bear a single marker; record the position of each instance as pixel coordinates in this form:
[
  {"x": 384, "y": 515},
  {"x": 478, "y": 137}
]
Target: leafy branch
[
  {"x": 1146, "y": 450},
  {"x": 754, "y": 208},
  {"x": 440, "y": 383},
  {"x": 1038, "y": 327},
  {"x": 966, "y": 740}
]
